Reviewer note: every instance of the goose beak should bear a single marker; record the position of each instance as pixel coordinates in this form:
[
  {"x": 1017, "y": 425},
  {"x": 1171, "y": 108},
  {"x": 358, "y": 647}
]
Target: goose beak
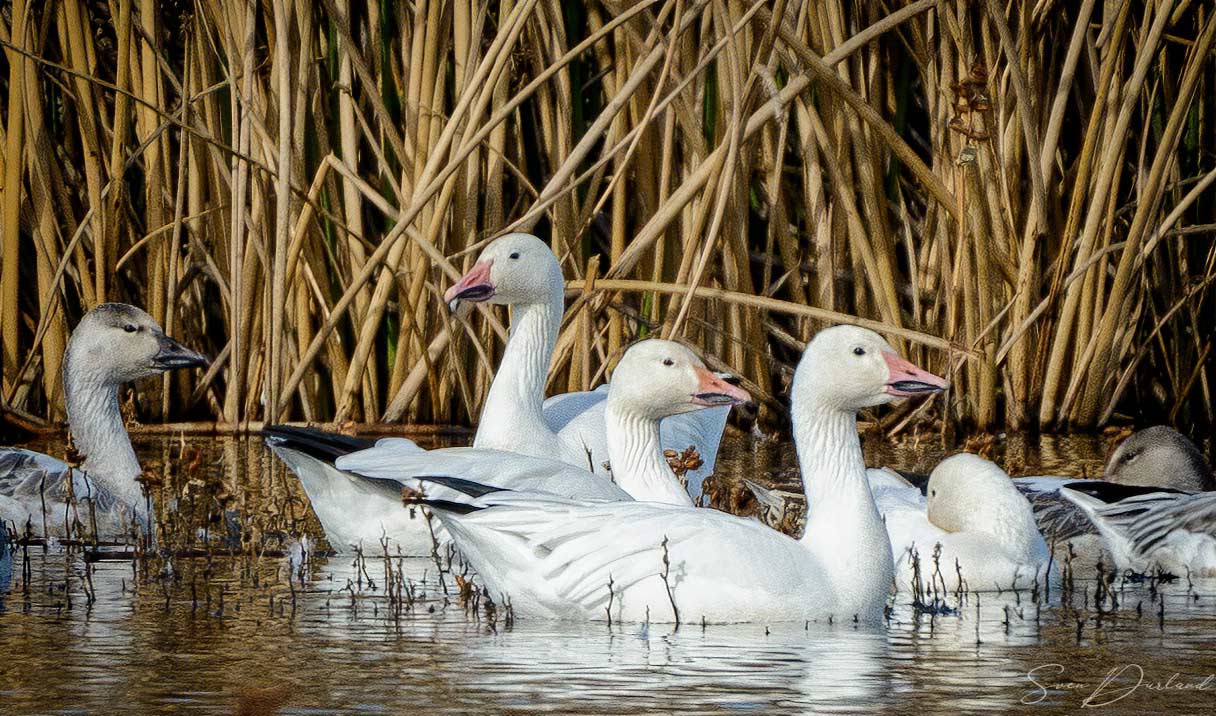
[
  {"x": 474, "y": 286},
  {"x": 907, "y": 380},
  {"x": 718, "y": 389},
  {"x": 173, "y": 355}
]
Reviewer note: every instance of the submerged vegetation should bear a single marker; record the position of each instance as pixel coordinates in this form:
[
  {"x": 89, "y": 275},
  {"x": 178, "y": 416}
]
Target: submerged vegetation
[{"x": 1020, "y": 192}]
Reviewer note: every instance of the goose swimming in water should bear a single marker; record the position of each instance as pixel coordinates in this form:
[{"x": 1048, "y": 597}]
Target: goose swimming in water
[
  {"x": 359, "y": 499},
  {"x": 521, "y": 271},
  {"x": 1156, "y": 510},
  {"x": 1157, "y": 458},
  {"x": 973, "y": 518},
  {"x": 114, "y": 344},
  {"x": 637, "y": 561}
]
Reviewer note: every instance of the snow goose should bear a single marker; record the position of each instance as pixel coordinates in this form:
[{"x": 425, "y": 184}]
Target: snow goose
[
  {"x": 1157, "y": 508},
  {"x": 359, "y": 499},
  {"x": 1156, "y": 457},
  {"x": 114, "y": 344},
  {"x": 972, "y": 510},
  {"x": 520, "y": 271},
  {"x": 636, "y": 561}
]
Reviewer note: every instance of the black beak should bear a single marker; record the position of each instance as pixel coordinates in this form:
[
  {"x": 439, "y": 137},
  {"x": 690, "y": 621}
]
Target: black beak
[
  {"x": 173, "y": 355},
  {"x": 915, "y": 387},
  {"x": 474, "y": 294}
]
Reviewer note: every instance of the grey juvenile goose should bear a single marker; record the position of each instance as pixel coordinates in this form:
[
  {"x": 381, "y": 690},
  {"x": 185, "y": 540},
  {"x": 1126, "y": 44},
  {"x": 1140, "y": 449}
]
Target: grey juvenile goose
[
  {"x": 114, "y": 344},
  {"x": 1157, "y": 509}
]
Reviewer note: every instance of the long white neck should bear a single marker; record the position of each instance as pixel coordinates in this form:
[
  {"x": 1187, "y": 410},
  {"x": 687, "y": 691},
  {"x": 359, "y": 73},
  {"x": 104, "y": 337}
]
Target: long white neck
[
  {"x": 96, "y": 423},
  {"x": 636, "y": 457},
  {"x": 513, "y": 407},
  {"x": 844, "y": 529}
]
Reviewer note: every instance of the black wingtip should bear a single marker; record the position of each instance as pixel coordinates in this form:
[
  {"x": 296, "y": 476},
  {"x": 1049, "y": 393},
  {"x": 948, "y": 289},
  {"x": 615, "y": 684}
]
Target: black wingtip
[
  {"x": 1111, "y": 492},
  {"x": 450, "y": 506},
  {"x": 318, "y": 444},
  {"x": 467, "y": 487}
]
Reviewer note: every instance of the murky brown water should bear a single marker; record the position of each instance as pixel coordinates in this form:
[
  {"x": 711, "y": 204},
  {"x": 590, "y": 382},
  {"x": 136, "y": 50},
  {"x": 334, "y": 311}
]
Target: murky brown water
[{"x": 191, "y": 635}]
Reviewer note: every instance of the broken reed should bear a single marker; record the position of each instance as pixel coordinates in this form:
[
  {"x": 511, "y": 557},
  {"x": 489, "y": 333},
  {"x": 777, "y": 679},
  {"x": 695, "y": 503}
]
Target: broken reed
[{"x": 1020, "y": 194}]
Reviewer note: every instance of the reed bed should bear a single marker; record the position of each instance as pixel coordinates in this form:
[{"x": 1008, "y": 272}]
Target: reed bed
[{"x": 1018, "y": 194}]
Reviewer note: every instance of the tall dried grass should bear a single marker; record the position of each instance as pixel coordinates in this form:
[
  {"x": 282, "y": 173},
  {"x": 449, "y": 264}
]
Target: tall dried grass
[{"x": 1018, "y": 193}]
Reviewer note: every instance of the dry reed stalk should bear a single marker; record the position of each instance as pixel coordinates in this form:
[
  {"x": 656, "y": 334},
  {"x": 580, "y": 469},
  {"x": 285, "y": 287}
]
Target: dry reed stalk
[
  {"x": 11, "y": 219},
  {"x": 291, "y": 184}
]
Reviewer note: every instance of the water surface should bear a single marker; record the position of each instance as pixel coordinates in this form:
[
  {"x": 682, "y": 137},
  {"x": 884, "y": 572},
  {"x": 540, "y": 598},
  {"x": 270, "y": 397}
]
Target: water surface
[{"x": 194, "y": 635}]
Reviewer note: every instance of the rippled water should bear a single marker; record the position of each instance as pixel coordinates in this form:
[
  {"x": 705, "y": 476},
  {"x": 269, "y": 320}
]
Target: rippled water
[{"x": 198, "y": 635}]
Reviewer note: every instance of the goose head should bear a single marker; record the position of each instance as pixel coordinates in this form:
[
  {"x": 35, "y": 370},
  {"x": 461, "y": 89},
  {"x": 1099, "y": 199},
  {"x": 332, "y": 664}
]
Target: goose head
[
  {"x": 513, "y": 269},
  {"x": 657, "y": 378},
  {"x": 116, "y": 343},
  {"x": 967, "y": 493},
  {"x": 1160, "y": 456},
  {"x": 849, "y": 368}
]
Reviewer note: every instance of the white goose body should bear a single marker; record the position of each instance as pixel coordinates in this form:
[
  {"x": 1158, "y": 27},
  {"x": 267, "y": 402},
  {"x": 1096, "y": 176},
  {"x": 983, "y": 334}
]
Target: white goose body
[
  {"x": 556, "y": 558},
  {"x": 40, "y": 495},
  {"x": 521, "y": 271},
  {"x": 974, "y": 518},
  {"x": 359, "y": 501}
]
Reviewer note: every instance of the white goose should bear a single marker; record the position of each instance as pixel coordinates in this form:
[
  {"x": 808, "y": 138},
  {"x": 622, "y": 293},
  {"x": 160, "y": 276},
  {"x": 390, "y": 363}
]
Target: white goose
[
  {"x": 359, "y": 499},
  {"x": 983, "y": 524},
  {"x": 114, "y": 344},
  {"x": 520, "y": 270},
  {"x": 561, "y": 558}
]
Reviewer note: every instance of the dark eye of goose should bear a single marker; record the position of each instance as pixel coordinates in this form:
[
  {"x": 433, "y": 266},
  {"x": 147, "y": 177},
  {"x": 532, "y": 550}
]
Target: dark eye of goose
[
  {"x": 514, "y": 255},
  {"x": 131, "y": 328},
  {"x": 668, "y": 362},
  {"x": 1130, "y": 456},
  {"x": 933, "y": 493},
  {"x": 859, "y": 351}
]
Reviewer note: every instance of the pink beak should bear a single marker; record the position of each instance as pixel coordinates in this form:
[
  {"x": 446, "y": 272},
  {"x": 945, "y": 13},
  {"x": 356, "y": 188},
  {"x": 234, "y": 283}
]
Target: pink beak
[
  {"x": 713, "y": 390},
  {"x": 906, "y": 379},
  {"x": 474, "y": 286}
]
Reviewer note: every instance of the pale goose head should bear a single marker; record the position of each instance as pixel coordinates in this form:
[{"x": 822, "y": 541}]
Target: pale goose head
[
  {"x": 113, "y": 344},
  {"x": 849, "y": 368},
  {"x": 513, "y": 269},
  {"x": 967, "y": 493},
  {"x": 657, "y": 378},
  {"x": 116, "y": 343},
  {"x": 1160, "y": 456}
]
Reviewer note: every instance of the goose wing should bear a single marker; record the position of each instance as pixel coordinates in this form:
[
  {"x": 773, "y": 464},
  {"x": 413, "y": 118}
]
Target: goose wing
[
  {"x": 499, "y": 468},
  {"x": 27, "y": 475},
  {"x": 1170, "y": 514},
  {"x": 1059, "y": 519},
  {"x": 571, "y": 550}
]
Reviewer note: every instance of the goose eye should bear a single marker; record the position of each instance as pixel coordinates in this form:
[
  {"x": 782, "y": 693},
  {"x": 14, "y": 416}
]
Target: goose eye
[
  {"x": 514, "y": 255},
  {"x": 131, "y": 328},
  {"x": 1128, "y": 458},
  {"x": 859, "y": 351},
  {"x": 933, "y": 493},
  {"x": 668, "y": 362}
]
